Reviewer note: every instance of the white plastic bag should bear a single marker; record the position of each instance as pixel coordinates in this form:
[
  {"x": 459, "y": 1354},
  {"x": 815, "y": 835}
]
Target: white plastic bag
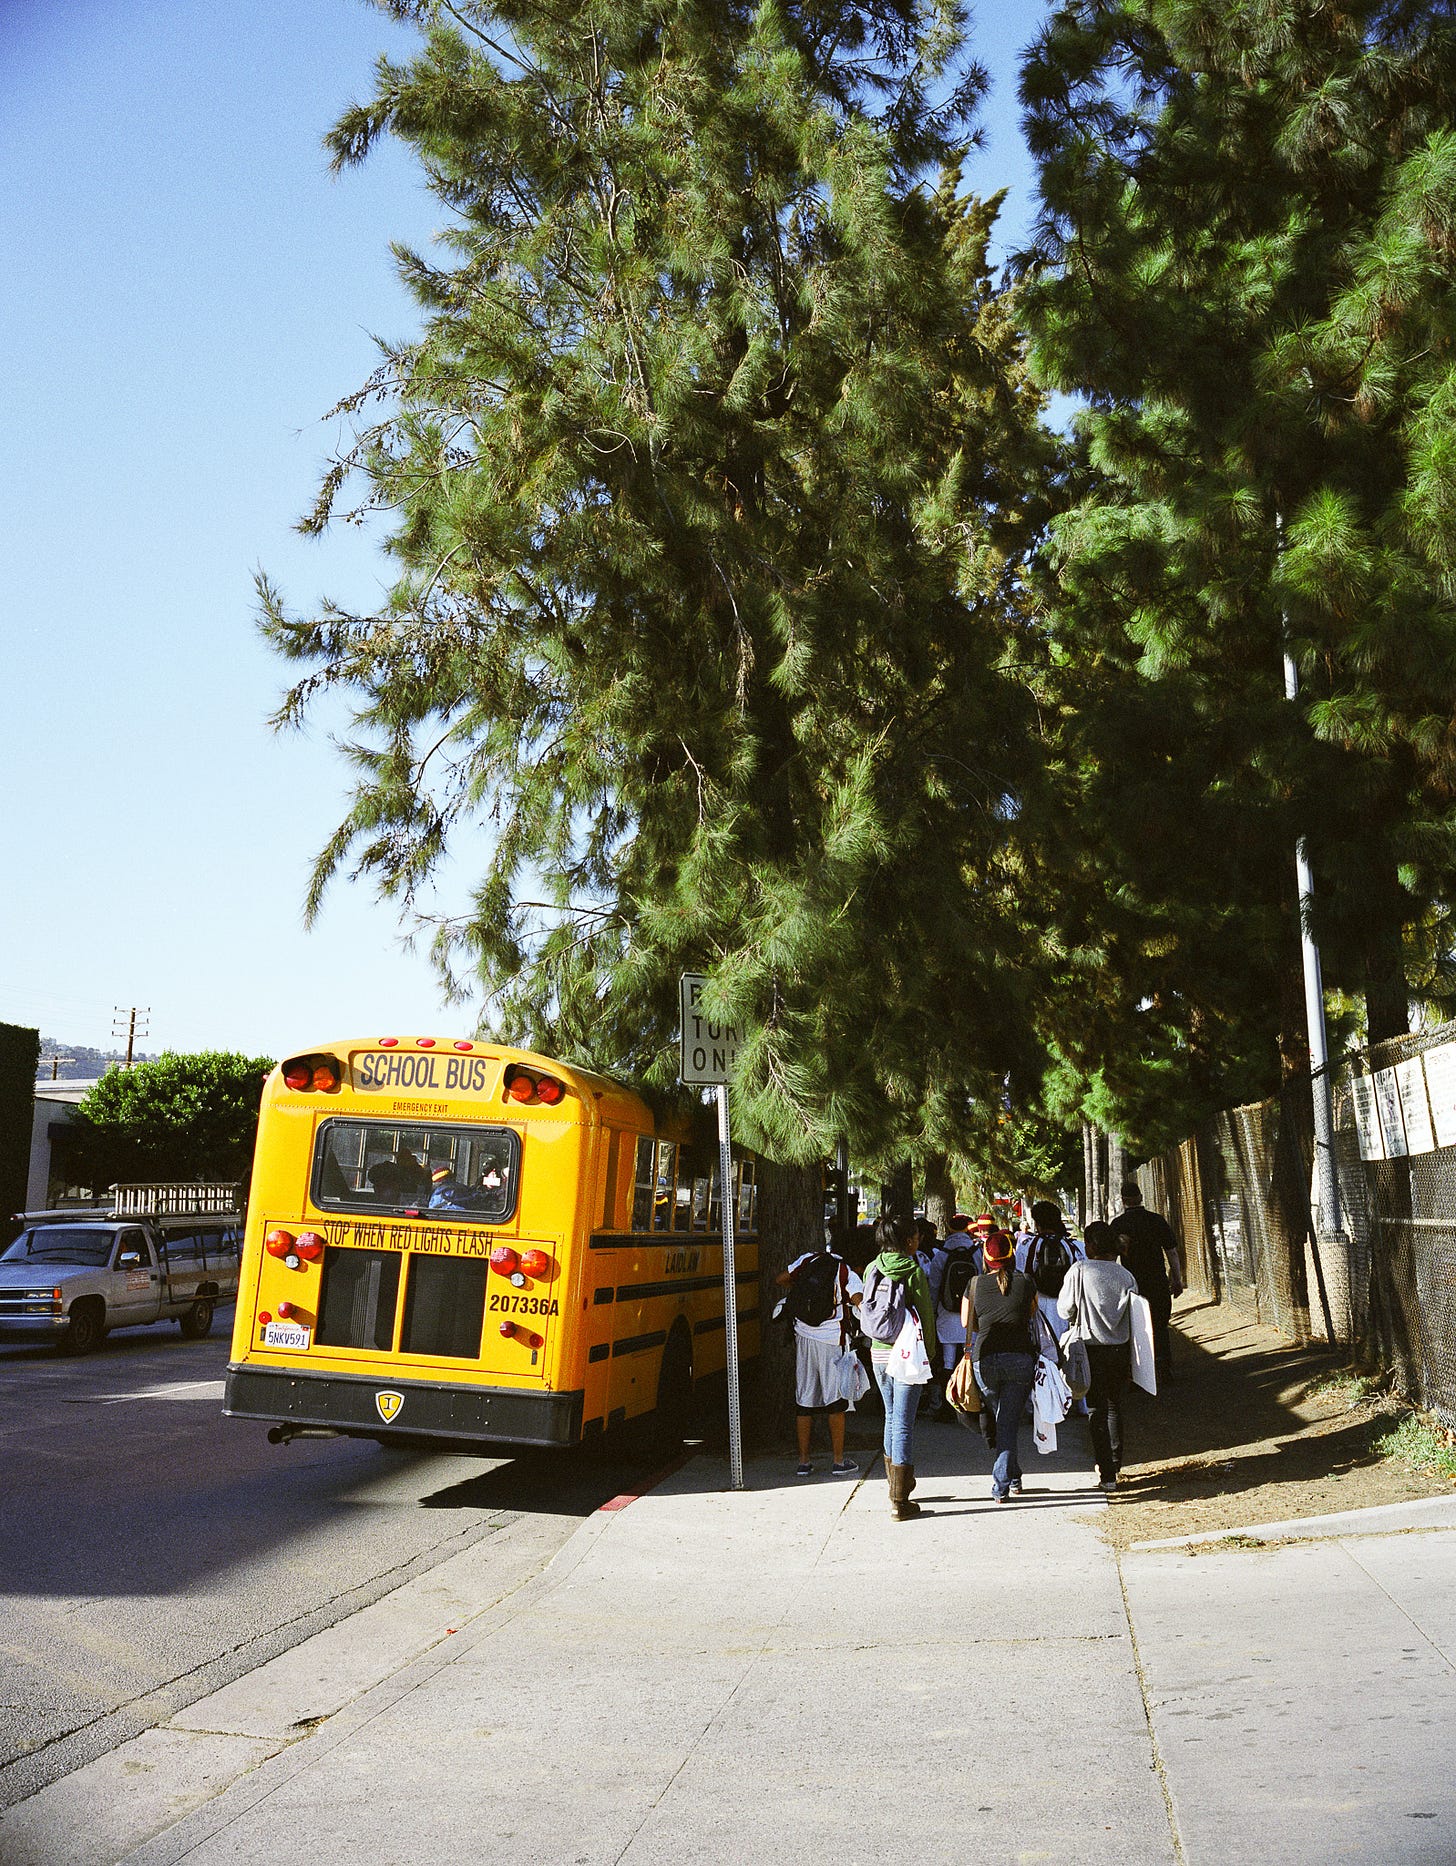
[
  {"x": 851, "y": 1376},
  {"x": 1051, "y": 1399},
  {"x": 908, "y": 1360}
]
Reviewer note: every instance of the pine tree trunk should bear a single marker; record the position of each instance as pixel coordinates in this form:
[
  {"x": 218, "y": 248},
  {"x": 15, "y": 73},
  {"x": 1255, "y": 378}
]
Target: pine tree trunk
[
  {"x": 790, "y": 1222},
  {"x": 940, "y": 1193},
  {"x": 897, "y": 1194},
  {"x": 1387, "y": 1001},
  {"x": 1293, "y": 1021},
  {"x": 1116, "y": 1171}
]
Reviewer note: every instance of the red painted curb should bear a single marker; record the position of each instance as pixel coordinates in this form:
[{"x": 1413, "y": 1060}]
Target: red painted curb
[{"x": 657, "y": 1477}]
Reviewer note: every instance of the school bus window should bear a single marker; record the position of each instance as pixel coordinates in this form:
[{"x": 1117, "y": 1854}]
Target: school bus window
[
  {"x": 700, "y": 1204},
  {"x": 682, "y": 1211},
  {"x": 747, "y": 1195},
  {"x": 715, "y": 1200},
  {"x": 615, "y": 1143},
  {"x": 644, "y": 1185},
  {"x": 357, "y": 1303},
  {"x": 465, "y": 1174},
  {"x": 662, "y": 1208},
  {"x": 444, "y": 1307}
]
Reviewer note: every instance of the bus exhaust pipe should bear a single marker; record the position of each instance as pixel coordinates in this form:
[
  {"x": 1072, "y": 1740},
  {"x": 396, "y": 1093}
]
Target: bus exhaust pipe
[{"x": 285, "y": 1434}]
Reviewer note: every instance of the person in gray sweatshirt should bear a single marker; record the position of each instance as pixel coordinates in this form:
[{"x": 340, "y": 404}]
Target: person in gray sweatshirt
[{"x": 1097, "y": 1295}]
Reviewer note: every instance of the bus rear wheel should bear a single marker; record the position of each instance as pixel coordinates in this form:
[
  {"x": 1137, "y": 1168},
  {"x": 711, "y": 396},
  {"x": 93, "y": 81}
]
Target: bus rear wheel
[{"x": 672, "y": 1420}]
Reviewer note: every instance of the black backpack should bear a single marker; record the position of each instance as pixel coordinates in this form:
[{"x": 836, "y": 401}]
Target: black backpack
[
  {"x": 1048, "y": 1261},
  {"x": 814, "y": 1291},
  {"x": 960, "y": 1269}
]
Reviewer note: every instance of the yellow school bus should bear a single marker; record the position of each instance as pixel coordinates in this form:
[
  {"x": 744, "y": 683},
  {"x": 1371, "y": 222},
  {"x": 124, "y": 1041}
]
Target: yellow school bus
[{"x": 450, "y": 1240}]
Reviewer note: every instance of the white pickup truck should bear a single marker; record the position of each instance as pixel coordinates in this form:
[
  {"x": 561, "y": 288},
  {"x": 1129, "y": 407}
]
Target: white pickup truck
[{"x": 156, "y": 1253}]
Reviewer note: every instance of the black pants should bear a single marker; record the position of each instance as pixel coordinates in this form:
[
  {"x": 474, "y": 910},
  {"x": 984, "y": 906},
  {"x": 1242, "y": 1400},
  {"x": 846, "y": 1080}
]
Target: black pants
[
  {"x": 1162, "y": 1340},
  {"x": 1111, "y": 1370}
]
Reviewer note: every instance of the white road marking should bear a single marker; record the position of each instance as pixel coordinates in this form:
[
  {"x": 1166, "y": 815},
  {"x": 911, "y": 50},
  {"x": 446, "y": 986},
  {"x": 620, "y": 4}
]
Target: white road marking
[{"x": 174, "y": 1390}]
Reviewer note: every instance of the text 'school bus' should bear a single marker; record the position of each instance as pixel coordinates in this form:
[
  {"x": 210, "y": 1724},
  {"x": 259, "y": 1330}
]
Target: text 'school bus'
[{"x": 459, "y": 1241}]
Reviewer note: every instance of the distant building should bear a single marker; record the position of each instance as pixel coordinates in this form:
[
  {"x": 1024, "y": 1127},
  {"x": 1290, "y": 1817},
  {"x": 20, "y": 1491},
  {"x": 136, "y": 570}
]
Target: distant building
[{"x": 54, "y": 1162}]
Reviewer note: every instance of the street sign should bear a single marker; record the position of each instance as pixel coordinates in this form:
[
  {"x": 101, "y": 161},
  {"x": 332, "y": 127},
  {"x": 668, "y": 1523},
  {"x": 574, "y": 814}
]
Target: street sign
[
  {"x": 709, "y": 1049},
  {"x": 709, "y": 1053}
]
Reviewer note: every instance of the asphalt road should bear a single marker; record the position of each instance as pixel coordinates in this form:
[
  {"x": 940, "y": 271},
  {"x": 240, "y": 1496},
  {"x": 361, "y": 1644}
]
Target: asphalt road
[{"x": 152, "y": 1550}]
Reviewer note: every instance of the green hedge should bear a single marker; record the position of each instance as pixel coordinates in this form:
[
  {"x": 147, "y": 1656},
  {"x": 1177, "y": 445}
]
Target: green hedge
[{"x": 19, "y": 1057}]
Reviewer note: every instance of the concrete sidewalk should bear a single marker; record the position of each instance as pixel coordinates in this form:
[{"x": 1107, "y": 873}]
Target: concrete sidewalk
[{"x": 786, "y": 1674}]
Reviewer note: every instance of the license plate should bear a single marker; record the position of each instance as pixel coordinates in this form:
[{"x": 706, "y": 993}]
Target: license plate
[{"x": 285, "y": 1335}]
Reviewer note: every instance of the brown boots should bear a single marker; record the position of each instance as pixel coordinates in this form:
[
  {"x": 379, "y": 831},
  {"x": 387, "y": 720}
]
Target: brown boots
[{"x": 902, "y": 1482}]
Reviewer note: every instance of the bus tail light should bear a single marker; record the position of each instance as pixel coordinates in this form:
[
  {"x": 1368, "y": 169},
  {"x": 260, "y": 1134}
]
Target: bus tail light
[
  {"x": 278, "y": 1243},
  {"x": 536, "y": 1263},
  {"x": 504, "y": 1261},
  {"x": 285, "y": 1309},
  {"x": 265, "y": 1316},
  {"x": 310, "y": 1073},
  {"x": 521, "y": 1085},
  {"x": 310, "y": 1245},
  {"x": 535, "y": 1341},
  {"x": 508, "y": 1329}
]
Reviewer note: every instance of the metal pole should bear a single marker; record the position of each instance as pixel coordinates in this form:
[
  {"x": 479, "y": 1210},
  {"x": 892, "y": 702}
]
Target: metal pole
[
  {"x": 730, "y": 1291},
  {"x": 1326, "y": 1179}
]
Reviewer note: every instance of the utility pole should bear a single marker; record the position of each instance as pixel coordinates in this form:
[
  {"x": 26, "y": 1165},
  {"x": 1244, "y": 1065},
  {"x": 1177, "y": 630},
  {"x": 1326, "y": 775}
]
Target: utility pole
[{"x": 130, "y": 1014}]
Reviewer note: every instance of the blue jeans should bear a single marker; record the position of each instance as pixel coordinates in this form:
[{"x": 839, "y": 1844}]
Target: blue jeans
[
  {"x": 1007, "y": 1379},
  {"x": 901, "y": 1399}
]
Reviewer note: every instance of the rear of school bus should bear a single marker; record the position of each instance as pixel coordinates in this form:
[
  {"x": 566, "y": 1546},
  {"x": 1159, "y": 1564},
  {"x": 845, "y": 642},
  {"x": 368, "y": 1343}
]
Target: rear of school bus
[{"x": 416, "y": 1262}]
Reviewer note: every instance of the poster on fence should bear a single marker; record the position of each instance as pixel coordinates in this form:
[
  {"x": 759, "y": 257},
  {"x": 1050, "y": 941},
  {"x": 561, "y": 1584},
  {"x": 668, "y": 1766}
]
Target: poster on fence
[
  {"x": 1410, "y": 1079},
  {"x": 1441, "y": 1087},
  {"x": 1387, "y": 1106},
  {"x": 1362, "y": 1100}
]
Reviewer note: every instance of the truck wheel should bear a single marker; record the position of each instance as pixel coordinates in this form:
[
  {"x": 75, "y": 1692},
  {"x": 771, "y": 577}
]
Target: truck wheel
[
  {"x": 86, "y": 1328},
  {"x": 197, "y": 1322}
]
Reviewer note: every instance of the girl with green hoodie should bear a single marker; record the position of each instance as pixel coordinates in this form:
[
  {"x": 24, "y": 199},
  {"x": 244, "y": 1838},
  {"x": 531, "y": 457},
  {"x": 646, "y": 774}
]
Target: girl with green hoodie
[{"x": 896, "y": 1261}]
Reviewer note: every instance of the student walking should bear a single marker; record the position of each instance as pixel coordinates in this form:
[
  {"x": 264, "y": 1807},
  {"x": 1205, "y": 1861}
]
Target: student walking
[
  {"x": 1046, "y": 1256},
  {"x": 961, "y": 1263},
  {"x": 896, "y": 1265},
  {"x": 822, "y": 1293},
  {"x": 1097, "y": 1295},
  {"x": 998, "y": 1311},
  {"x": 1149, "y": 1249}
]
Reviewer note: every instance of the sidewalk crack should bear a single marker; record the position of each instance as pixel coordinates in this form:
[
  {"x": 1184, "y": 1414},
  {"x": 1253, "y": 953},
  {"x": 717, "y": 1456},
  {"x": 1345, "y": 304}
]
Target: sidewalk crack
[
  {"x": 1160, "y": 1768},
  {"x": 715, "y": 1717},
  {"x": 1404, "y": 1612}
]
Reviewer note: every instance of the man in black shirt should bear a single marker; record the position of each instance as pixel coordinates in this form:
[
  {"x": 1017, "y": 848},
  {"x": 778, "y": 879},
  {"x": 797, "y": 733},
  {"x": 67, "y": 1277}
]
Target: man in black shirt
[{"x": 1147, "y": 1246}]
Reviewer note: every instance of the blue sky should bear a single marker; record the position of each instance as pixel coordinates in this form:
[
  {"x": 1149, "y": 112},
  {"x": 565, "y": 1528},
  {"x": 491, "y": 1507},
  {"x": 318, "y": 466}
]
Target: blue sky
[{"x": 186, "y": 291}]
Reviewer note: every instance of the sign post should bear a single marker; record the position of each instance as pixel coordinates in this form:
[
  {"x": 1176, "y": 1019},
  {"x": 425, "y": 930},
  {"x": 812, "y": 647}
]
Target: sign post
[{"x": 709, "y": 1052}]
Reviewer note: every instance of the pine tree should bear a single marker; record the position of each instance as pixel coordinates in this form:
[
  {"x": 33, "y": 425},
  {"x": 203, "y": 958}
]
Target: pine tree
[
  {"x": 1214, "y": 179},
  {"x": 710, "y": 482}
]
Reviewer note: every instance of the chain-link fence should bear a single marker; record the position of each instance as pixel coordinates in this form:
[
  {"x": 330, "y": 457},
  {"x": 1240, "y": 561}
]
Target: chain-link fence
[{"x": 1238, "y": 1193}]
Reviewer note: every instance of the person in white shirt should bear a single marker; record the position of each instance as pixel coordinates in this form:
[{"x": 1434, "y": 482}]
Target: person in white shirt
[
  {"x": 1098, "y": 1295},
  {"x": 818, "y": 1350}
]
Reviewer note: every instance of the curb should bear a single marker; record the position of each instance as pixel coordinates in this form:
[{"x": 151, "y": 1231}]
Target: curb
[{"x": 1379, "y": 1519}]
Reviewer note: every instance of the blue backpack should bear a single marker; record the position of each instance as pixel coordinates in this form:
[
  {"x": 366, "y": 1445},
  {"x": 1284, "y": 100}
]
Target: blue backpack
[{"x": 884, "y": 1306}]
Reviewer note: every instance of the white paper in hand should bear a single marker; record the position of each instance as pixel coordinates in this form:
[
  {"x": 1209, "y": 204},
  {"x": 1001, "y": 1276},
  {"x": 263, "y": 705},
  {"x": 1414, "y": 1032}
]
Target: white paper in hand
[{"x": 1144, "y": 1372}]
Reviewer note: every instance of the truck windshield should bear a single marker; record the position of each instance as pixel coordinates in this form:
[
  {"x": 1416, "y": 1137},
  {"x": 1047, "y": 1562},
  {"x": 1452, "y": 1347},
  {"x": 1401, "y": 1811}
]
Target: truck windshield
[{"x": 62, "y": 1244}]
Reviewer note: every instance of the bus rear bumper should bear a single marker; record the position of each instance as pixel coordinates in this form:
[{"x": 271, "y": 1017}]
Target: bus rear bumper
[{"x": 400, "y": 1410}]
